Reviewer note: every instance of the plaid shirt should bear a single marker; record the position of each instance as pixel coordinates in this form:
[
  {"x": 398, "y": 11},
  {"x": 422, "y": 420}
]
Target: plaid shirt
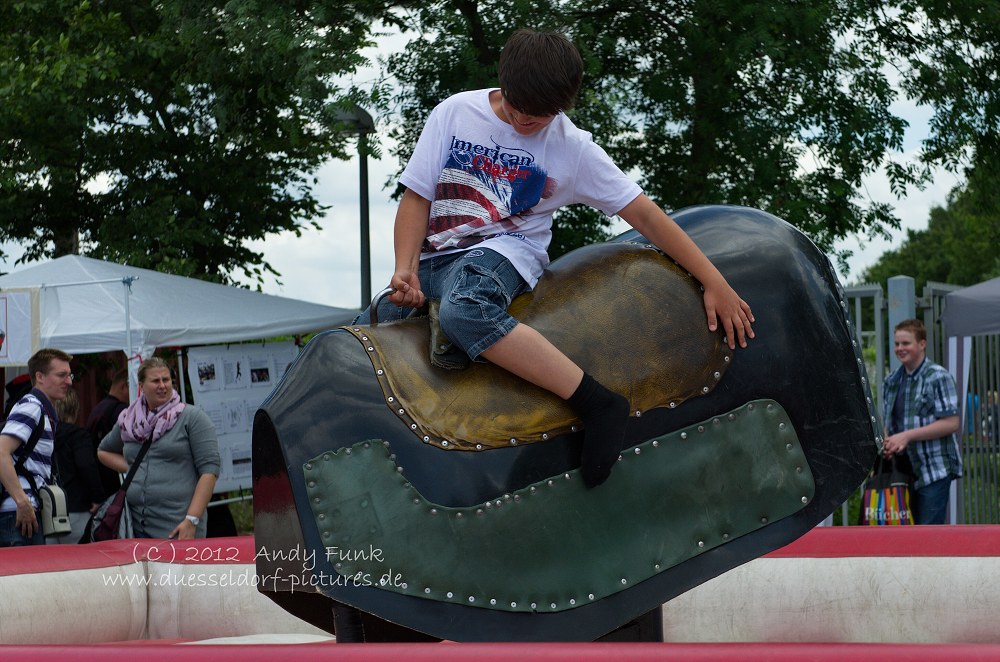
[{"x": 930, "y": 395}]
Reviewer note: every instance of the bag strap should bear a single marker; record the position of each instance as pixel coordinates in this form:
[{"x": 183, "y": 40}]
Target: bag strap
[{"x": 135, "y": 465}]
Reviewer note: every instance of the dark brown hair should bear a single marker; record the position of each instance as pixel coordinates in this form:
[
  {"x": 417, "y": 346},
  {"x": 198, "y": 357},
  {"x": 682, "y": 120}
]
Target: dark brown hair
[
  {"x": 914, "y": 326},
  {"x": 40, "y": 360},
  {"x": 540, "y": 72}
]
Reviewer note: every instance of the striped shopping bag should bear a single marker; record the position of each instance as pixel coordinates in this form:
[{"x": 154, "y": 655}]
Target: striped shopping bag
[{"x": 886, "y": 497}]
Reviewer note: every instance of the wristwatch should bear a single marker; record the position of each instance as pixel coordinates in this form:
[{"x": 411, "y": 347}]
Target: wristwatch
[{"x": 194, "y": 520}]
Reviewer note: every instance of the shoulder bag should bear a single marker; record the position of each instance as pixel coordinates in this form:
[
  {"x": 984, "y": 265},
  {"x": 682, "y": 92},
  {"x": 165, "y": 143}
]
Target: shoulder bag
[{"x": 112, "y": 520}]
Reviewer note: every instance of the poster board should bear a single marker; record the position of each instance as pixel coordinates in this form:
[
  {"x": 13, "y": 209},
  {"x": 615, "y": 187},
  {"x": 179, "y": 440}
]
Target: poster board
[
  {"x": 229, "y": 382},
  {"x": 19, "y": 333}
]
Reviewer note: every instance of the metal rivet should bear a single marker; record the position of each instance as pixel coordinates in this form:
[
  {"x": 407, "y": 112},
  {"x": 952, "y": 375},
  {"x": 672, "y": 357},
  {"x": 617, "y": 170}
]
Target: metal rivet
[
  {"x": 770, "y": 407},
  {"x": 725, "y": 536},
  {"x": 427, "y": 590},
  {"x": 413, "y": 426},
  {"x": 403, "y": 585},
  {"x": 545, "y": 435},
  {"x": 513, "y": 605},
  {"x": 357, "y": 330},
  {"x": 315, "y": 499},
  {"x": 444, "y": 443},
  {"x": 458, "y": 515},
  {"x": 401, "y": 412},
  {"x": 399, "y": 470},
  {"x": 416, "y": 500},
  {"x": 390, "y": 399},
  {"x": 532, "y": 489},
  {"x": 705, "y": 389},
  {"x": 479, "y": 511},
  {"x": 656, "y": 443},
  {"x": 656, "y": 566},
  {"x": 308, "y": 466},
  {"x": 450, "y": 594},
  {"x": 717, "y": 374},
  {"x": 347, "y": 451},
  {"x": 553, "y": 605},
  {"x": 726, "y": 359},
  {"x": 380, "y": 372},
  {"x": 638, "y": 413},
  {"x": 364, "y": 337},
  {"x": 750, "y": 406},
  {"x": 371, "y": 349},
  {"x": 567, "y": 476},
  {"x": 701, "y": 543},
  {"x": 763, "y": 520},
  {"x": 322, "y": 515},
  {"x": 798, "y": 469},
  {"x": 591, "y": 596},
  {"x": 488, "y": 504},
  {"x": 781, "y": 426},
  {"x": 637, "y": 451},
  {"x": 551, "y": 483},
  {"x": 619, "y": 459},
  {"x": 517, "y": 497},
  {"x": 327, "y": 457},
  {"x": 732, "y": 417},
  {"x": 533, "y": 605},
  {"x": 513, "y": 442},
  {"x": 805, "y": 499},
  {"x": 426, "y": 438},
  {"x": 471, "y": 599},
  {"x": 684, "y": 435},
  {"x": 715, "y": 421},
  {"x": 624, "y": 581},
  {"x": 493, "y": 601},
  {"x": 788, "y": 446},
  {"x": 701, "y": 428},
  {"x": 326, "y": 534},
  {"x": 572, "y": 601},
  {"x": 672, "y": 405},
  {"x": 574, "y": 428},
  {"x": 498, "y": 502},
  {"x": 507, "y": 497},
  {"x": 312, "y": 483},
  {"x": 434, "y": 511}
]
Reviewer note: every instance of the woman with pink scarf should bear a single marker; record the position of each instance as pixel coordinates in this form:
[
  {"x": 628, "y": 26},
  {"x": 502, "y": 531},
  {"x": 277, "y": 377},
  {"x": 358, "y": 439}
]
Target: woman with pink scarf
[{"x": 174, "y": 482}]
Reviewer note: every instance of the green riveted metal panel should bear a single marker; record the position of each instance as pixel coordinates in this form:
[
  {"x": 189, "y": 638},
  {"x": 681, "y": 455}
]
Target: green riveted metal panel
[{"x": 556, "y": 545}]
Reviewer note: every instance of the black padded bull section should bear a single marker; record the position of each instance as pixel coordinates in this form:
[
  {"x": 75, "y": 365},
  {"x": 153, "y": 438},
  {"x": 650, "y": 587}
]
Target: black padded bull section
[{"x": 804, "y": 357}]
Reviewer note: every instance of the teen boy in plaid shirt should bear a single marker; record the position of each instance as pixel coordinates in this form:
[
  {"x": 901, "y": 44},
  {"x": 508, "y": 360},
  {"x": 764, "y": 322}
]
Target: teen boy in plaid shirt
[{"x": 920, "y": 409}]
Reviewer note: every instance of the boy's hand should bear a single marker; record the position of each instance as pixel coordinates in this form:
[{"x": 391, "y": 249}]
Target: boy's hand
[
  {"x": 723, "y": 304},
  {"x": 408, "y": 293}
]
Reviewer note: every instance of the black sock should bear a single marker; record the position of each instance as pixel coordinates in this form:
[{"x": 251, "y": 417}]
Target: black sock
[{"x": 604, "y": 414}]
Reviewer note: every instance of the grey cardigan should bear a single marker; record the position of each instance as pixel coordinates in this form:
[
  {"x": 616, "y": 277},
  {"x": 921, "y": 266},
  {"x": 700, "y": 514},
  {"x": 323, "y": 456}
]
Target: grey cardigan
[{"x": 161, "y": 491}]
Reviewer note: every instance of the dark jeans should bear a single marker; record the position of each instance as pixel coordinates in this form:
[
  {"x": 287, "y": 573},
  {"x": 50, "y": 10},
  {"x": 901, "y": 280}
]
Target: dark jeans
[
  {"x": 11, "y": 536},
  {"x": 930, "y": 503}
]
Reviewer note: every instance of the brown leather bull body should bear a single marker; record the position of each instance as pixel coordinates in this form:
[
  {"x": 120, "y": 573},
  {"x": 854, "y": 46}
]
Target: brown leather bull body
[{"x": 624, "y": 312}]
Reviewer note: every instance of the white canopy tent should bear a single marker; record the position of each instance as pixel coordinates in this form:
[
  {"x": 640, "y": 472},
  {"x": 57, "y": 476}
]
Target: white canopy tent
[
  {"x": 971, "y": 311},
  {"x": 87, "y": 306}
]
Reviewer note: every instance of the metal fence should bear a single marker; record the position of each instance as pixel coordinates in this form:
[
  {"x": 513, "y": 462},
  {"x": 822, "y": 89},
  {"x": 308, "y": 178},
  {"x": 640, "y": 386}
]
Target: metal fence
[{"x": 978, "y": 492}]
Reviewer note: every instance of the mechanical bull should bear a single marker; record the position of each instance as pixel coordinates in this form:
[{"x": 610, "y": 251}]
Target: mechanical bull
[{"x": 450, "y": 502}]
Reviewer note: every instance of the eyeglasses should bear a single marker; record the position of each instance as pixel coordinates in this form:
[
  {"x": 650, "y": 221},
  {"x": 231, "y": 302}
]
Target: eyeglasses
[{"x": 62, "y": 376}]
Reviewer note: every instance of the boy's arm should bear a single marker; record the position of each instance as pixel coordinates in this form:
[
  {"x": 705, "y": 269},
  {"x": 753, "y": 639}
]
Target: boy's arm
[
  {"x": 721, "y": 301},
  {"x": 408, "y": 237}
]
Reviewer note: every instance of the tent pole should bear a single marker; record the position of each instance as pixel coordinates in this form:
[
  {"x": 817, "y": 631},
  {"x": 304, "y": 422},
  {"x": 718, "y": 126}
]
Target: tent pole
[
  {"x": 180, "y": 373},
  {"x": 133, "y": 381}
]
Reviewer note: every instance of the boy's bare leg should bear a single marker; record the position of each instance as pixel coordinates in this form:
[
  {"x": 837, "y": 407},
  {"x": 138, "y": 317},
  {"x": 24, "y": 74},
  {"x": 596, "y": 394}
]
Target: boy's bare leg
[{"x": 530, "y": 356}]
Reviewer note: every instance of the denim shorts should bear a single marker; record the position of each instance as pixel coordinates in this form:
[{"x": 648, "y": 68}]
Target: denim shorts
[{"x": 475, "y": 288}]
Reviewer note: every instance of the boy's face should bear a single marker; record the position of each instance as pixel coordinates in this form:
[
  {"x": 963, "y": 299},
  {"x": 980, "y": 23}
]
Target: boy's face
[
  {"x": 524, "y": 124},
  {"x": 909, "y": 351}
]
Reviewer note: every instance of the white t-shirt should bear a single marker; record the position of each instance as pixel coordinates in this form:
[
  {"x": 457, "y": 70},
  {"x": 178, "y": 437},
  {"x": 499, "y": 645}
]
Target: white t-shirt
[{"x": 492, "y": 188}]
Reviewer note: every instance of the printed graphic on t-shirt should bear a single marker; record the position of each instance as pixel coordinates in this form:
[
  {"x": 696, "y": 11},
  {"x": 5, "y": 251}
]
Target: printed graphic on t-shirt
[{"x": 481, "y": 192}]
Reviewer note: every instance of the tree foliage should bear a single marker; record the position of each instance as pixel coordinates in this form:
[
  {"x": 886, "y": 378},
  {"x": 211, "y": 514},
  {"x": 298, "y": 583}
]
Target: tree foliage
[
  {"x": 787, "y": 107},
  {"x": 168, "y": 133},
  {"x": 959, "y": 246}
]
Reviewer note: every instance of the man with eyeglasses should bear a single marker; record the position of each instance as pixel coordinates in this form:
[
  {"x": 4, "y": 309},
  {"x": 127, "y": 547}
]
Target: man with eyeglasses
[{"x": 51, "y": 378}]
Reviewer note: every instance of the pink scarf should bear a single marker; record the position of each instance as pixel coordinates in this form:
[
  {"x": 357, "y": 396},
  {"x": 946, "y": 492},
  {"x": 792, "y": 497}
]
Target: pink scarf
[{"x": 138, "y": 422}]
